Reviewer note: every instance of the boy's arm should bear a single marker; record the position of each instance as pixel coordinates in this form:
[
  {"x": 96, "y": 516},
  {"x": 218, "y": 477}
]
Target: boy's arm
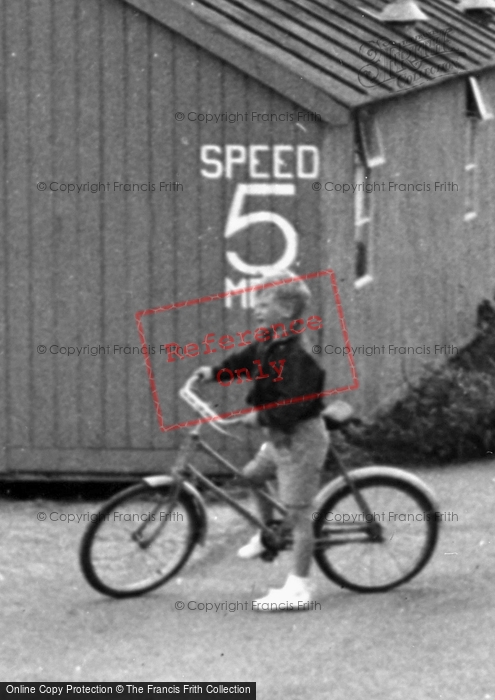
[
  {"x": 236, "y": 360},
  {"x": 239, "y": 360},
  {"x": 302, "y": 377},
  {"x": 204, "y": 374},
  {"x": 250, "y": 420}
]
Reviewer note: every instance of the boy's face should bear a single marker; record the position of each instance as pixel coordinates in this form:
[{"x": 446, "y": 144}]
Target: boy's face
[{"x": 268, "y": 309}]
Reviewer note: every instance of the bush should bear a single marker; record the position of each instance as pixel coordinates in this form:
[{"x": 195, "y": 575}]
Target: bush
[{"x": 448, "y": 414}]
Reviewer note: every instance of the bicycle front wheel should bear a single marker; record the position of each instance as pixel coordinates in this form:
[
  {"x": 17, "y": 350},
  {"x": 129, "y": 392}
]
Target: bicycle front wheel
[
  {"x": 383, "y": 548},
  {"x": 139, "y": 539}
]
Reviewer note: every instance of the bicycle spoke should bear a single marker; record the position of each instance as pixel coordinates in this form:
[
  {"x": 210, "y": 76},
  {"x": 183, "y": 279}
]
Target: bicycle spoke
[
  {"x": 393, "y": 557},
  {"x": 113, "y": 557},
  {"x": 354, "y": 557}
]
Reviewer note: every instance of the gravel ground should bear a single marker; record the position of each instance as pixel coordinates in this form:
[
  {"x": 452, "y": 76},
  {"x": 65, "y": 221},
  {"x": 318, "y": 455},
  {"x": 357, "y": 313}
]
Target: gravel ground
[{"x": 432, "y": 638}]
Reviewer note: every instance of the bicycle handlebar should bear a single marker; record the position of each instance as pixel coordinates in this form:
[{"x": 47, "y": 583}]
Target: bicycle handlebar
[{"x": 202, "y": 407}]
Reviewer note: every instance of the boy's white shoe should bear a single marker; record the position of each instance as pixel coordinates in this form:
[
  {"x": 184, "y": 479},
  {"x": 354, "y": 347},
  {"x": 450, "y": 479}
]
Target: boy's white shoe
[
  {"x": 295, "y": 595},
  {"x": 252, "y": 549}
]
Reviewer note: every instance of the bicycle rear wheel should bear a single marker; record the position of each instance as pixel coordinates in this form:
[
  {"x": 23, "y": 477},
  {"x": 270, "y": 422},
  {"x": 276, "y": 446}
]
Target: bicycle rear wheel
[
  {"x": 406, "y": 531},
  {"x": 139, "y": 539}
]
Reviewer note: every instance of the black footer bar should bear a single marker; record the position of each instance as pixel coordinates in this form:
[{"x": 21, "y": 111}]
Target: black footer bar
[{"x": 178, "y": 691}]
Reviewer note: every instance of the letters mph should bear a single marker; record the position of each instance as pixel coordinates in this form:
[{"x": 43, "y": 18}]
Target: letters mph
[{"x": 225, "y": 376}]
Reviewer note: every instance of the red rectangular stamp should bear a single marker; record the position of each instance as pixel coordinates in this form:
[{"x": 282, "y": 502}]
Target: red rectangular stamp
[{"x": 171, "y": 355}]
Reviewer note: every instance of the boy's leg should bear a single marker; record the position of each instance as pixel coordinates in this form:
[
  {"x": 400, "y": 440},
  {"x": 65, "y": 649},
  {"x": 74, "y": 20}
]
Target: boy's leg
[
  {"x": 302, "y": 525},
  {"x": 299, "y": 470},
  {"x": 299, "y": 473},
  {"x": 258, "y": 471}
]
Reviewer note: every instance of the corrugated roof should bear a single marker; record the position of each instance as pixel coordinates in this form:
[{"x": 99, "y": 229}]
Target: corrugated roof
[{"x": 333, "y": 46}]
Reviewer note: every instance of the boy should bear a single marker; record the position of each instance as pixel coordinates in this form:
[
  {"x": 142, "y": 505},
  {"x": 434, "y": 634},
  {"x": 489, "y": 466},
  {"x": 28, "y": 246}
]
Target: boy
[{"x": 298, "y": 440}]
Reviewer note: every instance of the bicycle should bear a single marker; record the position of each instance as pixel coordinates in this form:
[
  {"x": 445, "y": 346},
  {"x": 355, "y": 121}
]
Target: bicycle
[{"x": 144, "y": 535}]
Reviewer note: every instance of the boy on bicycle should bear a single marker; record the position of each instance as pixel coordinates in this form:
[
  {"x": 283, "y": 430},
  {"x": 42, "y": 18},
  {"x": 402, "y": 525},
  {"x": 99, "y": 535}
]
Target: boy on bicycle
[{"x": 297, "y": 438}]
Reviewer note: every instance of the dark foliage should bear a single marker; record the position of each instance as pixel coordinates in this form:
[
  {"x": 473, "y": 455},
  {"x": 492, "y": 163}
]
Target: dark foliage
[{"x": 448, "y": 414}]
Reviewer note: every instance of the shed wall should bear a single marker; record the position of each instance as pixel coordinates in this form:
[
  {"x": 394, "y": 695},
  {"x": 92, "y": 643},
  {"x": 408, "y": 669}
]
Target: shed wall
[
  {"x": 430, "y": 267},
  {"x": 90, "y": 96}
]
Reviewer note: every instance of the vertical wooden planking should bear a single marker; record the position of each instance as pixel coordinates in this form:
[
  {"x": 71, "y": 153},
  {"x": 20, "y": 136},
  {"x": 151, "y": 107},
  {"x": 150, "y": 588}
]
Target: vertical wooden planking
[
  {"x": 485, "y": 244},
  {"x": 42, "y": 414},
  {"x": 253, "y": 102},
  {"x": 377, "y": 316},
  {"x": 237, "y": 95},
  {"x": 393, "y": 249},
  {"x": 416, "y": 239},
  {"x": 3, "y": 241},
  {"x": 89, "y": 223},
  {"x": 450, "y": 205},
  {"x": 488, "y": 85},
  {"x": 336, "y": 233},
  {"x": 273, "y": 202},
  {"x": 19, "y": 182},
  {"x": 431, "y": 226},
  {"x": 164, "y": 206},
  {"x": 187, "y": 167},
  {"x": 306, "y": 214},
  {"x": 213, "y": 208},
  {"x": 416, "y": 283},
  {"x": 454, "y": 234},
  {"x": 91, "y": 92},
  {"x": 137, "y": 288},
  {"x": 384, "y": 303},
  {"x": 66, "y": 239},
  {"x": 282, "y": 133},
  {"x": 254, "y": 243},
  {"x": 114, "y": 221},
  {"x": 306, "y": 218}
]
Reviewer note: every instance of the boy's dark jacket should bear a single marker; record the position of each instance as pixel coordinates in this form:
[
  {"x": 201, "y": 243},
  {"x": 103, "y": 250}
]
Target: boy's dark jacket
[{"x": 301, "y": 376}]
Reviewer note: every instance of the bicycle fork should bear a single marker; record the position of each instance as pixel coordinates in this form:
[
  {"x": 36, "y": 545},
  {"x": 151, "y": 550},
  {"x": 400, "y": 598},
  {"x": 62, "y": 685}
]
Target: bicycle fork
[{"x": 138, "y": 535}]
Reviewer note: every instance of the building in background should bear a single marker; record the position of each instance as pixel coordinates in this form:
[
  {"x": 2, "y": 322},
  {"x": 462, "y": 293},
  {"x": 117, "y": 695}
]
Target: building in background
[{"x": 354, "y": 143}]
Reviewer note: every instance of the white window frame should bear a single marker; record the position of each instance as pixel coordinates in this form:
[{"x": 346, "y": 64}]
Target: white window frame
[
  {"x": 363, "y": 221},
  {"x": 369, "y": 154},
  {"x": 370, "y": 140},
  {"x": 471, "y": 170},
  {"x": 482, "y": 110},
  {"x": 477, "y": 111}
]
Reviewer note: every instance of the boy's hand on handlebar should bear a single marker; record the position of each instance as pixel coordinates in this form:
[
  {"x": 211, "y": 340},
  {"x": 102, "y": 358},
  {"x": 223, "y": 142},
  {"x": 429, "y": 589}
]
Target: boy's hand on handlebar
[
  {"x": 250, "y": 420},
  {"x": 203, "y": 374}
]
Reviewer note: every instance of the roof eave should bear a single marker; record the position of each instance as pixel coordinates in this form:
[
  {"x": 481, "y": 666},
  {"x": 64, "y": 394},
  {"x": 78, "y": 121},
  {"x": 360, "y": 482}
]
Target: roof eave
[
  {"x": 250, "y": 54},
  {"x": 434, "y": 83}
]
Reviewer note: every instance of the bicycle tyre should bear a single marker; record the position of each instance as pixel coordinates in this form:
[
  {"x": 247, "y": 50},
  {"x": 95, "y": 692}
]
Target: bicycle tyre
[
  {"x": 103, "y": 565},
  {"x": 336, "y": 560}
]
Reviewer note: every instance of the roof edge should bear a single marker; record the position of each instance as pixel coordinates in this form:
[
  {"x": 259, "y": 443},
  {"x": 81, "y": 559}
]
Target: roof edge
[
  {"x": 437, "y": 82},
  {"x": 251, "y": 56}
]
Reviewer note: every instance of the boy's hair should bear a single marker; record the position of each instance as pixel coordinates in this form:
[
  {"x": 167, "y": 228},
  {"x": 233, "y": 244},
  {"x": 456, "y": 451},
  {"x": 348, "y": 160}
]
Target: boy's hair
[{"x": 297, "y": 293}]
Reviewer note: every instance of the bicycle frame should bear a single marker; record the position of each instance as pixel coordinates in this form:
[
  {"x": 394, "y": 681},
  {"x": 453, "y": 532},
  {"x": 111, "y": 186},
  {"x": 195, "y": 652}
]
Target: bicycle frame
[
  {"x": 337, "y": 520},
  {"x": 193, "y": 443},
  {"x": 183, "y": 468}
]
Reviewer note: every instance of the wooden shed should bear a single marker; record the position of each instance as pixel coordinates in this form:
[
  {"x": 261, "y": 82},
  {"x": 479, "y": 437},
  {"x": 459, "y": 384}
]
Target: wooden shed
[{"x": 136, "y": 135}]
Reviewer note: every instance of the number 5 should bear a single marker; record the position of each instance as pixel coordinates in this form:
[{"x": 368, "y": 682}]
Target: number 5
[{"x": 237, "y": 221}]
